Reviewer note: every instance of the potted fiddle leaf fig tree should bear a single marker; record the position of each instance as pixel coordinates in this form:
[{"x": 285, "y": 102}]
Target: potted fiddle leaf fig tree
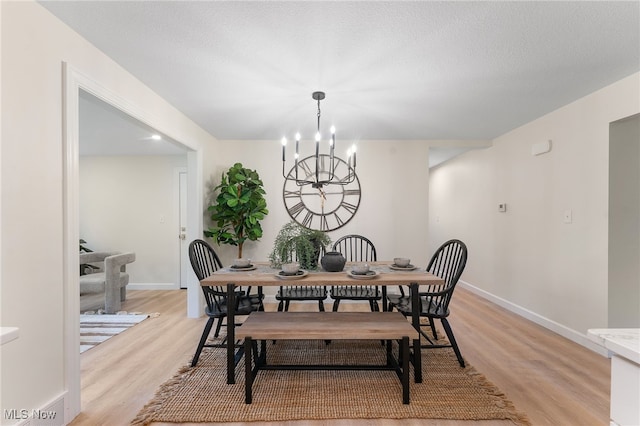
[{"x": 239, "y": 208}]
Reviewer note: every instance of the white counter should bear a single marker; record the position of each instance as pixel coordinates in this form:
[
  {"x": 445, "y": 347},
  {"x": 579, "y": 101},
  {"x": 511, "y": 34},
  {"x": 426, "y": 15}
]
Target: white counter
[{"x": 624, "y": 345}]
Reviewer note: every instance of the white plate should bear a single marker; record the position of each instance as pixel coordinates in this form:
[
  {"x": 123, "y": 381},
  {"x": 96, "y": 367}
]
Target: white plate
[
  {"x": 368, "y": 276},
  {"x": 395, "y": 267},
  {"x": 301, "y": 274},
  {"x": 244, "y": 268}
]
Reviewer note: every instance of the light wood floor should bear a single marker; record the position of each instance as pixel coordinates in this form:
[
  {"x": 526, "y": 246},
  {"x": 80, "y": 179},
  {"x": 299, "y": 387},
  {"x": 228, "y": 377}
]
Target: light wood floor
[{"x": 551, "y": 379}]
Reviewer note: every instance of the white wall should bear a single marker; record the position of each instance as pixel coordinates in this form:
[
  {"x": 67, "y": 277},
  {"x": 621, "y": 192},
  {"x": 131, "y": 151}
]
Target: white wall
[
  {"x": 34, "y": 46},
  {"x": 528, "y": 256},
  {"x": 130, "y": 204},
  {"x": 393, "y": 176}
]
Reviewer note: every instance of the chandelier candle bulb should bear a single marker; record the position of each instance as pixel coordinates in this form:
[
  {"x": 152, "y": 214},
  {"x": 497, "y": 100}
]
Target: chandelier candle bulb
[
  {"x": 333, "y": 137},
  {"x": 284, "y": 144},
  {"x": 354, "y": 156}
]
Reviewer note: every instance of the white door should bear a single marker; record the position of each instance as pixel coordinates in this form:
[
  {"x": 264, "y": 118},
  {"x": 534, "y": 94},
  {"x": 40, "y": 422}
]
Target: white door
[{"x": 182, "y": 232}]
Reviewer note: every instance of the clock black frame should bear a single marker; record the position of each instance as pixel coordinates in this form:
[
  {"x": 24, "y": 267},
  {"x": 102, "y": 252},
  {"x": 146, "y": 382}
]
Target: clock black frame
[{"x": 343, "y": 198}]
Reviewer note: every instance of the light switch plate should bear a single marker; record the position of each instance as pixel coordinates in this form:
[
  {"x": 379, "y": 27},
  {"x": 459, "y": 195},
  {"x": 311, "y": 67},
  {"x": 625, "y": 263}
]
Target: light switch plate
[{"x": 568, "y": 216}]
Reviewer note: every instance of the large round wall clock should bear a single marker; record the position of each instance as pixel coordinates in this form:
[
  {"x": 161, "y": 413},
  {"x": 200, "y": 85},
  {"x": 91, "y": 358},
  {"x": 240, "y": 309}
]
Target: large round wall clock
[{"x": 323, "y": 207}]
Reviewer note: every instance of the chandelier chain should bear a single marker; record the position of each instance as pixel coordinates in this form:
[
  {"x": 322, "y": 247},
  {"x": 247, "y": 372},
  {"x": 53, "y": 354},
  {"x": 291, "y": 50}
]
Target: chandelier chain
[{"x": 318, "y": 115}]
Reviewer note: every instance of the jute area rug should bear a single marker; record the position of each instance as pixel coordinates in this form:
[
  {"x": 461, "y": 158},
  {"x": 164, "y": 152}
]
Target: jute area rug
[
  {"x": 201, "y": 395},
  {"x": 97, "y": 328}
]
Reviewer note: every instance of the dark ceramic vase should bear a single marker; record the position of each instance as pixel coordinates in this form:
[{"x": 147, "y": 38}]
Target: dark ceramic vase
[{"x": 333, "y": 261}]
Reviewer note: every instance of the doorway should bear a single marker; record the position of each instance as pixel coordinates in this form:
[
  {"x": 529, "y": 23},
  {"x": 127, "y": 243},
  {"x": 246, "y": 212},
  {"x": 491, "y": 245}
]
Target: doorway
[
  {"x": 128, "y": 193},
  {"x": 73, "y": 82},
  {"x": 624, "y": 223}
]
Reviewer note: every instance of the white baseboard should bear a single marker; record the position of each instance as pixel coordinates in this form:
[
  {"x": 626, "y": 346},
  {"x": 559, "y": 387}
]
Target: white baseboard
[
  {"x": 52, "y": 414},
  {"x": 547, "y": 323},
  {"x": 152, "y": 286}
]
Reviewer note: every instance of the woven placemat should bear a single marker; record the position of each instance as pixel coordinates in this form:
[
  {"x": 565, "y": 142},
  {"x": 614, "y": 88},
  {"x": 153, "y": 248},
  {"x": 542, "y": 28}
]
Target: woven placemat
[{"x": 200, "y": 394}]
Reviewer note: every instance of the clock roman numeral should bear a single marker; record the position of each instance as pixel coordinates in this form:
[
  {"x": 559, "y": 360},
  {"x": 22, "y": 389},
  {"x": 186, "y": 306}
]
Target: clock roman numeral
[
  {"x": 307, "y": 219},
  {"x": 351, "y": 192},
  {"x": 338, "y": 219},
  {"x": 296, "y": 209},
  {"x": 306, "y": 168},
  {"x": 351, "y": 208},
  {"x": 324, "y": 225},
  {"x": 291, "y": 194},
  {"x": 335, "y": 166},
  {"x": 347, "y": 177}
]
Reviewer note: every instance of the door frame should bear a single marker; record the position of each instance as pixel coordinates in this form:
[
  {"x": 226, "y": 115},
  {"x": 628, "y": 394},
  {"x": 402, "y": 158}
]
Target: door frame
[
  {"x": 183, "y": 258},
  {"x": 72, "y": 82}
]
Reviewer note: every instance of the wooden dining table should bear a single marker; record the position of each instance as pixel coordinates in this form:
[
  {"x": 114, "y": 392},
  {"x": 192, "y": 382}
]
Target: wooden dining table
[{"x": 265, "y": 276}]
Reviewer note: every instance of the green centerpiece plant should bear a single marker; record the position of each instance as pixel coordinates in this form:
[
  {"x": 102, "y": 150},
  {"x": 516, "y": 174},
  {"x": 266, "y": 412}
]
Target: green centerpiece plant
[
  {"x": 239, "y": 208},
  {"x": 295, "y": 243}
]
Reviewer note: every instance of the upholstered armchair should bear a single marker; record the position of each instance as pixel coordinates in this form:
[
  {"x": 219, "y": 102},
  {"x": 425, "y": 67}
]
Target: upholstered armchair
[{"x": 112, "y": 278}]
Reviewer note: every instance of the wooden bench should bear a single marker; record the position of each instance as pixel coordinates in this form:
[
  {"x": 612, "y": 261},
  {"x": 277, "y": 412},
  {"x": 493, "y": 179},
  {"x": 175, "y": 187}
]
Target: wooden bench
[{"x": 386, "y": 326}]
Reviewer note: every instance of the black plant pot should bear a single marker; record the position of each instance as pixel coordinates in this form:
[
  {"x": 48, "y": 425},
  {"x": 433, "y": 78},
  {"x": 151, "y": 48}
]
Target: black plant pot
[{"x": 333, "y": 261}]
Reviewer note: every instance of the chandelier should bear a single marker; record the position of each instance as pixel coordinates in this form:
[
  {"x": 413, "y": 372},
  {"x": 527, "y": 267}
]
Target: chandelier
[{"x": 321, "y": 175}]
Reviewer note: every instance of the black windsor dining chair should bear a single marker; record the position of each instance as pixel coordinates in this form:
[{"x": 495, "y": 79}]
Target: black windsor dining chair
[
  {"x": 289, "y": 293},
  {"x": 448, "y": 262},
  {"x": 205, "y": 262},
  {"x": 356, "y": 248}
]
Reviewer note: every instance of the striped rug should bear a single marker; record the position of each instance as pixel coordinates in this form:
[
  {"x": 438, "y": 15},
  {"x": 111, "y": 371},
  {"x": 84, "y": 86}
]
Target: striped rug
[{"x": 95, "y": 329}]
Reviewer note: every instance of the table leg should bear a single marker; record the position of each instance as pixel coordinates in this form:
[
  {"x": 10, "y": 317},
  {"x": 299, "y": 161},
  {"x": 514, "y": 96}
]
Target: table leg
[
  {"x": 417, "y": 361},
  {"x": 261, "y": 297},
  {"x": 405, "y": 369},
  {"x": 248, "y": 374},
  {"x": 231, "y": 333},
  {"x": 385, "y": 307},
  {"x": 415, "y": 320}
]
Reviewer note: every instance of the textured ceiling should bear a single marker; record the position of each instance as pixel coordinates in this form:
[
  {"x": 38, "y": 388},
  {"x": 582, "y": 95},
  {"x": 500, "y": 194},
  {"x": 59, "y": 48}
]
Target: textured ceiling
[{"x": 391, "y": 70}]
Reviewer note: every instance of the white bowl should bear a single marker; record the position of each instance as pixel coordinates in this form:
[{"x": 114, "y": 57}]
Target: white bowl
[
  {"x": 360, "y": 268},
  {"x": 241, "y": 263},
  {"x": 401, "y": 261},
  {"x": 290, "y": 268}
]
